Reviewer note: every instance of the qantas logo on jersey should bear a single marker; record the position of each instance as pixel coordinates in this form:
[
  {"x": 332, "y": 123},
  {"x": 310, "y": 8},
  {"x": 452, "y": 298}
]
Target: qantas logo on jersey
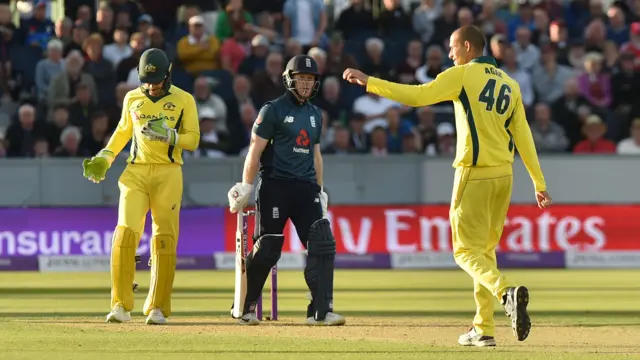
[
  {"x": 139, "y": 116},
  {"x": 303, "y": 141}
]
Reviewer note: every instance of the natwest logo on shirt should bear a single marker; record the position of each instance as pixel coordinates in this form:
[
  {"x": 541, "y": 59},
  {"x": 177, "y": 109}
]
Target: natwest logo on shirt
[
  {"x": 302, "y": 141},
  {"x": 410, "y": 229}
]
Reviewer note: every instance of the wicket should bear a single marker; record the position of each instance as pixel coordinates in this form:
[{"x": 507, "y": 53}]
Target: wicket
[{"x": 274, "y": 271}]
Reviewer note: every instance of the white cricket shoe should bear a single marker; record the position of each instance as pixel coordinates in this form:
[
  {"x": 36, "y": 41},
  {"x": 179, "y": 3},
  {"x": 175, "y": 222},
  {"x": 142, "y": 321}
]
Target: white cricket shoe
[
  {"x": 249, "y": 319},
  {"x": 156, "y": 317},
  {"x": 118, "y": 315},
  {"x": 331, "y": 319},
  {"x": 472, "y": 338}
]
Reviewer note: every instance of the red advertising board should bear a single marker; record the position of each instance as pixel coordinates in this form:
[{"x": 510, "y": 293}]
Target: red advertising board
[{"x": 406, "y": 229}]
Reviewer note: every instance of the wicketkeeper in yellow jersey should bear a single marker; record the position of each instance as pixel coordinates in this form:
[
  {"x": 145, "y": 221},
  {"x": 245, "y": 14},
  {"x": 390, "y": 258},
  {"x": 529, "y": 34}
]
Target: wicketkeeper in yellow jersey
[
  {"x": 160, "y": 120},
  {"x": 490, "y": 124}
]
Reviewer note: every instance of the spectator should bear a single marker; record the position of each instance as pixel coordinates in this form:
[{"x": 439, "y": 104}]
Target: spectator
[
  {"x": 242, "y": 90},
  {"x": 625, "y": 84},
  {"x": 405, "y": 71},
  {"x": 320, "y": 56},
  {"x": 114, "y": 112},
  {"x": 355, "y": 20},
  {"x": 379, "y": 142},
  {"x": 206, "y": 99},
  {"x": 331, "y": 101},
  {"x": 105, "y": 24},
  {"x": 633, "y": 46},
  {"x": 465, "y": 17},
  {"x": 397, "y": 128},
  {"x": 374, "y": 64},
  {"x": 549, "y": 77},
  {"x": 394, "y": 21},
  {"x": 123, "y": 20},
  {"x": 247, "y": 117},
  {"x": 137, "y": 44},
  {"x": 566, "y": 111},
  {"x": 266, "y": 27},
  {"x": 617, "y": 31},
  {"x": 119, "y": 49},
  {"x": 433, "y": 66},
  {"x": 306, "y": 21},
  {"x": 594, "y": 142},
  {"x": 611, "y": 55},
  {"x": 234, "y": 19},
  {"x": 528, "y": 54},
  {"x": 267, "y": 84},
  {"x": 559, "y": 38},
  {"x": 21, "y": 136},
  {"x": 38, "y": 30},
  {"x": 410, "y": 144},
  {"x": 94, "y": 136},
  {"x": 60, "y": 120},
  {"x": 236, "y": 49},
  {"x": 374, "y": 108},
  {"x": 445, "y": 144},
  {"x": 48, "y": 68},
  {"x": 40, "y": 149},
  {"x": 426, "y": 128},
  {"x": 70, "y": 140},
  {"x": 292, "y": 47},
  {"x": 489, "y": 21},
  {"x": 100, "y": 69},
  {"x": 8, "y": 31},
  {"x": 63, "y": 87},
  {"x": 84, "y": 13},
  {"x": 631, "y": 145},
  {"x": 540, "y": 32},
  {"x": 596, "y": 35},
  {"x": 145, "y": 22},
  {"x": 446, "y": 24},
  {"x": 157, "y": 40},
  {"x": 213, "y": 142},
  {"x": 497, "y": 46},
  {"x": 63, "y": 30},
  {"x": 337, "y": 60},
  {"x": 257, "y": 57},
  {"x": 512, "y": 68},
  {"x": 81, "y": 110},
  {"x": 198, "y": 51},
  {"x": 576, "y": 54},
  {"x": 359, "y": 139},
  {"x": 594, "y": 85},
  {"x": 81, "y": 32},
  {"x": 424, "y": 17},
  {"x": 548, "y": 136},
  {"x": 523, "y": 20},
  {"x": 340, "y": 144},
  {"x": 129, "y": 8}
]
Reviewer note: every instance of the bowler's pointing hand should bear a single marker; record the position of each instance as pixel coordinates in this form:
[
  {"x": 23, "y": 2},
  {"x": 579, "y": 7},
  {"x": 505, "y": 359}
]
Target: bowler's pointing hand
[
  {"x": 544, "y": 199},
  {"x": 355, "y": 77}
]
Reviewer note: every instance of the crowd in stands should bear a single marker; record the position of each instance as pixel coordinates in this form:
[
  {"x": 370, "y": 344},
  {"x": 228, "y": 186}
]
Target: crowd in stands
[{"x": 62, "y": 81}]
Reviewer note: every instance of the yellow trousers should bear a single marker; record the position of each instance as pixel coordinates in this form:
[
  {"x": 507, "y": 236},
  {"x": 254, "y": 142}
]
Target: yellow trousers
[
  {"x": 479, "y": 205},
  {"x": 142, "y": 188}
]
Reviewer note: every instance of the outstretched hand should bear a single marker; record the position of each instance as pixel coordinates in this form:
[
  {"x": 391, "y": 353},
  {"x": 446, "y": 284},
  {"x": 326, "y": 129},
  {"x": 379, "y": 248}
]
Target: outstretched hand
[
  {"x": 355, "y": 77},
  {"x": 544, "y": 199}
]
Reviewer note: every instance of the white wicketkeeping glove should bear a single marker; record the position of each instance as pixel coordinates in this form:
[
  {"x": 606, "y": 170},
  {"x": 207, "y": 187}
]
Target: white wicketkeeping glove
[
  {"x": 324, "y": 201},
  {"x": 239, "y": 196}
]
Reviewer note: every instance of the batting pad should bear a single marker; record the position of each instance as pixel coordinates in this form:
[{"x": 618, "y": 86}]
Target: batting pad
[
  {"x": 163, "y": 270},
  {"x": 123, "y": 267}
]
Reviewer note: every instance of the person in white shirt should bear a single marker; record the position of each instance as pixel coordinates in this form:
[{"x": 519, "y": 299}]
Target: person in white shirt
[
  {"x": 374, "y": 108},
  {"x": 119, "y": 49},
  {"x": 631, "y": 145}
]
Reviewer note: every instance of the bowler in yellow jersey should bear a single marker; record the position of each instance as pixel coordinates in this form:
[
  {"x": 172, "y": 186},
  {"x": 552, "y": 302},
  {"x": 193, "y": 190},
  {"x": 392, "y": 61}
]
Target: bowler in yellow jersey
[
  {"x": 160, "y": 120},
  {"x": 491, "y": 124}
]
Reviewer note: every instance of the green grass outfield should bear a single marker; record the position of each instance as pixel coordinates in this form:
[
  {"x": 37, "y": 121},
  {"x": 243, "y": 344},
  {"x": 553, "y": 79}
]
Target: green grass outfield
[{"x": 390, "y": 315}]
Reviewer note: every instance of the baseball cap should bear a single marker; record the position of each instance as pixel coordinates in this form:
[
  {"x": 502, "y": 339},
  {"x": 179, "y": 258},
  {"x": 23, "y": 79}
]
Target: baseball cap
[
  {"x": 207, "y": 113},
  {"x": 635, "y": 28},
  {"x": 196, "y": 20},
  {"x": 260, "y": 40},
  {"x": 145, "y": 18},
  {"x": 39, "y": 3},
  {"x": 445, "y": 129}
]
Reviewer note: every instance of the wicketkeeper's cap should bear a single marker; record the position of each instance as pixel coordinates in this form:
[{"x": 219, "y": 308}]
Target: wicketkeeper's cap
[{"x": 154, "y": 66}]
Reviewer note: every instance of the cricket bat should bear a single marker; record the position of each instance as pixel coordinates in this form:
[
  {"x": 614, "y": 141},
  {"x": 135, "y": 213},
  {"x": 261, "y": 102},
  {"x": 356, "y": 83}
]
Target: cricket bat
[{"x": 241, "y": 274}]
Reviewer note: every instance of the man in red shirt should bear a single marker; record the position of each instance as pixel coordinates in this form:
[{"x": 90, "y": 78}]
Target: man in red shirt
[
  {"x": 633, "y": 46},
  {"x": 594, "y": 142}
]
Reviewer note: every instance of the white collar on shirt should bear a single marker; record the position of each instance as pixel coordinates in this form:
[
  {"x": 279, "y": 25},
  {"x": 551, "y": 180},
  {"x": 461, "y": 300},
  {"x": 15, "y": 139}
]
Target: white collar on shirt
[{"x": 193, "y": 40}]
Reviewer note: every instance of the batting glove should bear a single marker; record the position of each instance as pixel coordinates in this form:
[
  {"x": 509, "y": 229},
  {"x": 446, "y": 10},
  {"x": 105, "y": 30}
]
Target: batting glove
[{"x": 239, "y": 196}]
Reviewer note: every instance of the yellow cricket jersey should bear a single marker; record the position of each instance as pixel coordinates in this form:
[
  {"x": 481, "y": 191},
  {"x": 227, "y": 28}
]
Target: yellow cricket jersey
[
  {"x": 177, "y": 107},
  {"x": 490, "y": 116}
]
